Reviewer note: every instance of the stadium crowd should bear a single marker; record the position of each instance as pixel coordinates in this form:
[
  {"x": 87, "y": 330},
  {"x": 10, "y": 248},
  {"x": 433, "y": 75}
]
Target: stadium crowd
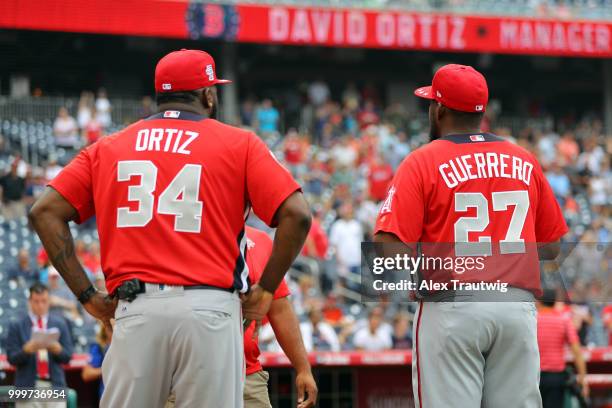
[
  {"x": 344, "y": 149},
  {"x": 559, "y": 9}
]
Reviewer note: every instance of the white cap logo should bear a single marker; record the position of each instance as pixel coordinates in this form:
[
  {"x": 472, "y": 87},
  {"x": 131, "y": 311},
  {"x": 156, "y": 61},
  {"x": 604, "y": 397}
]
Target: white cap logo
[
  {"x": 438, "y": 94},
  {"x": 210, "y": 72},
  {"x": 479, "y": 108},
  {"x": 172, "y": 114},
  {"x": 166, "y": 87}
]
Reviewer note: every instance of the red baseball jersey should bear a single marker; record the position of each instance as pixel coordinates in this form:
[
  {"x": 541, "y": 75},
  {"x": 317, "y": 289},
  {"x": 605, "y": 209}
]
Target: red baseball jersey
[
  {"x": 260, "y": 248},
  {"x": 484, "y": 197},
  {"x": 555, "y": 333},
  {"x": 170, "y": 194}
]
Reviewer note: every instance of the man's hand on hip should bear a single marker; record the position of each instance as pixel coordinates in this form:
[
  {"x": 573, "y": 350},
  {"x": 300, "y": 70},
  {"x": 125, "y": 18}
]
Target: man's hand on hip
[
  {"x": 255, "y": 305},
  {"x": 102, "y": 307}
]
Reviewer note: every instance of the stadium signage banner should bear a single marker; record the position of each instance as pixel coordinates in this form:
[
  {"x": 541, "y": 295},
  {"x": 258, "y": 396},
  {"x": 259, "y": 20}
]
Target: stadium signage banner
[{"x": 313, "y": 26}]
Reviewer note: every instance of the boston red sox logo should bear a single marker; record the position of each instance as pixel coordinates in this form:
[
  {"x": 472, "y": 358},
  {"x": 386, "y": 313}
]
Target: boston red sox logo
[{"x": 212, "y": 21}]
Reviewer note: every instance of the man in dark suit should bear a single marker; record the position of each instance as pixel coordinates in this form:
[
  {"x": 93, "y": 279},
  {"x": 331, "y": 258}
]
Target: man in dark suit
[{"x": 39, "y": 365}]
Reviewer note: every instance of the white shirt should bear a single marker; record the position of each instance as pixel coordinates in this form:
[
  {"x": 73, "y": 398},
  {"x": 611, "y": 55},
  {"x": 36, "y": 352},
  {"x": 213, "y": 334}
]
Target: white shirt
[
  {"x": 34, "y": 320},
  {"x": 318, "y": 92},
  {"x": 378, "y": 341},
  {"x": 83, "y": 116},
  {"x": 103, "y": 108},
  {"x": 346, "y": 237},
  {"x": 344, "y": 155},
  {"x": 52, "y": 171},
  {"x": 66, "y": 127},
  {"x": 326, "y": 332}
]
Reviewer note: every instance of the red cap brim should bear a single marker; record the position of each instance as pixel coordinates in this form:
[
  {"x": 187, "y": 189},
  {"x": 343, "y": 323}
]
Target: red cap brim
[
  {"x": 222, "y": 81},
  {"x": 424, "y": 92}
]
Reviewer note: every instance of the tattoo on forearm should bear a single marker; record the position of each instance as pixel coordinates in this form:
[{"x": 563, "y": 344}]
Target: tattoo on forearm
[
  {"x": 62, "y": 255},
  {"x": 64, "y": 250}
]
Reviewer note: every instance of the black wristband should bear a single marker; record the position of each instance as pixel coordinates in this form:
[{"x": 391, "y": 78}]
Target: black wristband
[{"x": 87, "y": 294}]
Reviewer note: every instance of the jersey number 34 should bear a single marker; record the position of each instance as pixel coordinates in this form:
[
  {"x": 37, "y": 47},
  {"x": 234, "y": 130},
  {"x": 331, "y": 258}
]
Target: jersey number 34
[{"x": 179, "y": 199}]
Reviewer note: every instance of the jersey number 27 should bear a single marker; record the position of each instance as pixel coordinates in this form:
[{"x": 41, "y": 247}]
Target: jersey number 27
[
  {"x": 511, "y": 244},
  {"x": 179, "y": 199}
]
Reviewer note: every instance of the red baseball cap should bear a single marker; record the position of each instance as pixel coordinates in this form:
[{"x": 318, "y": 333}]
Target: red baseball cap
[
  {"x": 459, "y": 87},
  {"x": 186, "y": 70}
]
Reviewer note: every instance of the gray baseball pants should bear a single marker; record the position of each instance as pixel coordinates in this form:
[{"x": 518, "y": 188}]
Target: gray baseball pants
[
  {"x": 476, "y": 355},
  {"x": 168, "y": 339}
]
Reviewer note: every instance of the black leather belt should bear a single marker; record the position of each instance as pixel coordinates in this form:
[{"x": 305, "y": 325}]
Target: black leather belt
[{"x": 129, "y": 289}]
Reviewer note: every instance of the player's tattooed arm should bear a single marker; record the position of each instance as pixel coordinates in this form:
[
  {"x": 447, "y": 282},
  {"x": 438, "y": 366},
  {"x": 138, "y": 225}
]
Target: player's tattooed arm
[{"x": 49, "y": 217}]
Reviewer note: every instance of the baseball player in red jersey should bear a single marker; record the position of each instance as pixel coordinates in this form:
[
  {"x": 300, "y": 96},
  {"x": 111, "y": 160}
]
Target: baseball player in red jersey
[
  {"x": 286, "y": 328},
  {"x": 170, "y": 194},
  {"x": 489, "y": 198}
]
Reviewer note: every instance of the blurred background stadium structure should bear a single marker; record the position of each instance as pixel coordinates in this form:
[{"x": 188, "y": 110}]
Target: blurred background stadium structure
[{"x": 341, "y": 118}]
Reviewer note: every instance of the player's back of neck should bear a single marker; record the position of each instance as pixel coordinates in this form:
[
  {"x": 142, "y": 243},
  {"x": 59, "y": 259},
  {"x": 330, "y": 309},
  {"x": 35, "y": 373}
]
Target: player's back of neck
[
  {"x": 184, "y": 107},
  {"x": 460, "y": 131}
]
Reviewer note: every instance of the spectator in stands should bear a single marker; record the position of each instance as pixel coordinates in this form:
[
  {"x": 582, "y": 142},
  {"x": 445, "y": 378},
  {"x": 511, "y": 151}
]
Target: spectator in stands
[
  {"x": 35, "y": 186},
  {"x": 555, "y": 332},
  {"x": 94, "y": 130},
  {"x": 39, "y": 365},
  {"x": 267, "y": 118},
  {"x": 380, "y": 175},
  {"x": 600, "y": 186},
  {"x": 65, "y": 130},
  {"x": 345, "y": 237},
  {"x": 344, "y": 153},
  {"x": 103, "y": 109},
  {"x": 318, "y": 93},
  {"x": 402, "y": 334},
  {"x": 568, "y": 149},
  {"x": 332, "y": 312},
  {"x": 23, "y": 167},
  {"x": 398, "y": 149},
  {"x": 368, "y": 115},
  {"x": 559, "y": 182},
  {"x": 62, "y": 300},
  {"x": 294, "y": 149},
  {"x": 304, "y": 295},
  {"x": 374, "y": 336},
  {"x": 591, "y": 159},
  {"x": 316, "y": 242},
  {"x": 92, "y": 371},
  {"x": 351, "y": 97},
  {"x": 606, "y": 316},
  {"x": 23, "y": 272},
  {"x": 366, "y": 212},
  {"x": 85, "y": 109},
  {"x": 52, "y": 169},
  {"x": 147, "y": 107},
  {"x": 13, "y": 190},
  {"x": 90, "y": 259},
  {"x": 318, "y": 335},
  {"x": 547, "y": 147}
]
